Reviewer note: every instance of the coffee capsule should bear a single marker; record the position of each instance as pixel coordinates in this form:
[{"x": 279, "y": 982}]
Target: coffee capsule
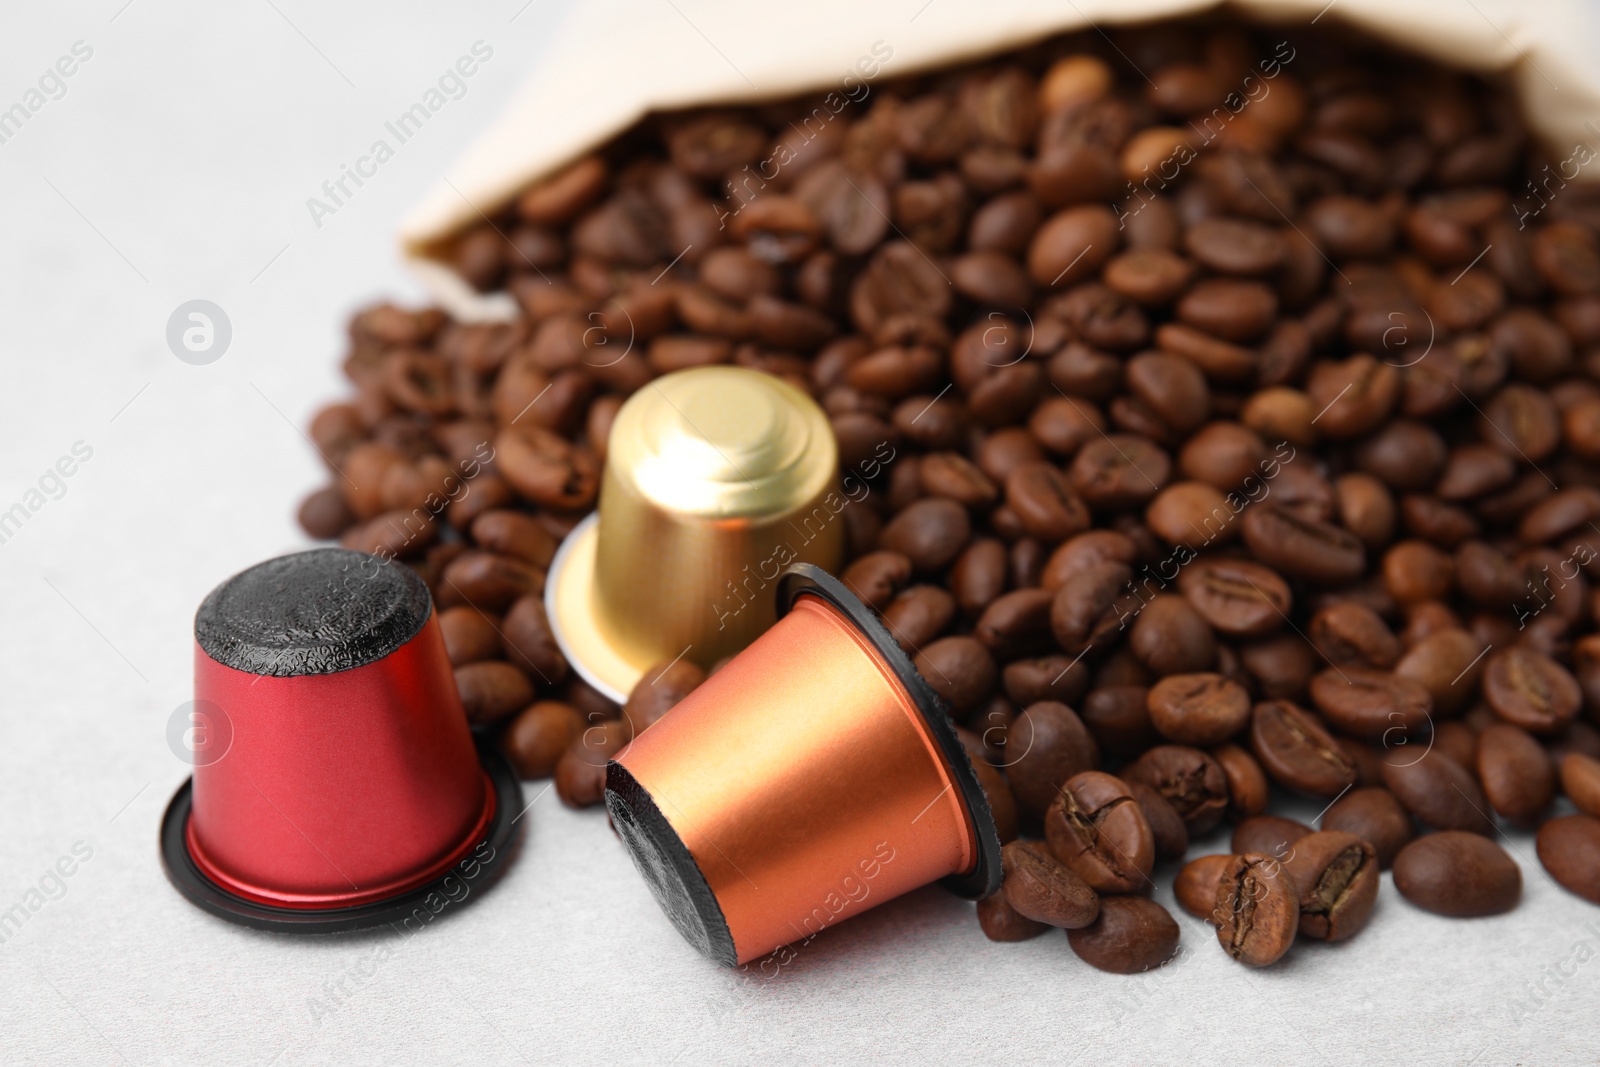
[
  {"x": 336, "y": 783},
  {"x": 715, "y": 479},
  {"x": 812, "y": 777}
]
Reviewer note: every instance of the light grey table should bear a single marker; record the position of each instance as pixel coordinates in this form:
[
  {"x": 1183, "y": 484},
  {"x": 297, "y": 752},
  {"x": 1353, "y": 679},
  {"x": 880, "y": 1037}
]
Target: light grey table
[{"x": 174, "y": 164}]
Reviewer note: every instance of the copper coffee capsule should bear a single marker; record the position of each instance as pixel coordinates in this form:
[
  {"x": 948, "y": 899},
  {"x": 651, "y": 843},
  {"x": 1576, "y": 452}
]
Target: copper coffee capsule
[
  {"x": 814, "y": 776},
  {"x": 716, "y": 479},
  {"x": 336, "y": 785}
]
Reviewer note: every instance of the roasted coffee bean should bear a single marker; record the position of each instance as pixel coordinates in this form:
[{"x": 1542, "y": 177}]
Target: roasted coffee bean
[
  {"x": 1518, "y": 778},
  {"x": 490, "y": 581},
  {"x": 961, "y": 670},
  {"x": 1458, "y": 874},
  {"x": 1374, "y": 815},
  {"x": 1257, "y": 909},
  {"x": 918, "y": 615},
  {"x": 1045, "y": 890},
  {"x": 1248, "y": 791},
  {"x": 1238, "y": 598},
  {"x": 1045, "y": 746},
  {"x": 1297, "y": 752},
  {"x": 1302, "y": 548},
  {"x": 658, "y": 691},
  {"x": 1375, "y": 705},
  {"x": 1166, "y": 825},
  {"x": 1196, "y": 886},
  {"x": 530, "y": 643},
  {"x": 511, "y": 533},
  {"x": 581, "y": 770},
  {"x": 930, "y": 533},
  {"x": 1131, "y": 934},
  {"x": 1119, "y": 471},
  {"x": 1119, "y": 719},
  {"x": 1170, "y": 636},
  {"x": 1089, "y": 606},
  {"x": 1447, "y": 664},
  {"x": 536, "y": 739},
  {"x": 491, "y": 690},
  {"x": 1337, "y": 874},
  {"x": 1190, "y": 781},
  {"x": 1529, "y": 689},
  {"x": 877, "y": 576},
  {"x": 1440, "y": 792},
  {"x": 1569, "y": 848},
  {"x": 1097, "y": 828},
  {"x": 325, "y": 514},
  {"x": 1351, "y": 634},
  {"x": 1044, "y": 502},
  {"x": 1269, "y": 835},
  {"x": 1016, "y": 623},
  {"x": 1580, "y": 781},
  {"x": 1198, "y": 709},
  {"x": 469, "y": 635},
  {"x": 1001, "y": 922},
  {"x": 1055, "y": 678}
]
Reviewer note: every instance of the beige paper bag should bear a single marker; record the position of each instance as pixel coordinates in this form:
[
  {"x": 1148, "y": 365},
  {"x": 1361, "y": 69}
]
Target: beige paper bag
[{"x": 613, "y": 62}]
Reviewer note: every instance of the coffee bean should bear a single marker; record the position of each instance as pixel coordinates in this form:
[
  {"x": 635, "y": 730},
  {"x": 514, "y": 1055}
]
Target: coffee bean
[
  {"x": 1302, "y": 548},
  {"x": 1130, "y": 935},
  {"x": 1119, "y": 471},
  {"x": 1530, "y": 690},
  {"x": 1016, "y": 623},
  {"x": 1238, "y": 598},
  {"x": 492, "y": 690},
  {"x": 1166, "y": 825},
  {"x": 1090, "y": 606},
  {"x": 1458, "y": 874},
  {"x": 1374, "y": 815},
  {"x": 1257, "y": 910},
  {"x": 1196, "y": 886},
  {"x": 930, "y": 533},
  {"x": 1044, "y": 502},
  {"x": 1247, "y": 782},
  {"x": 960, "y": 670},
  {"x": 1440, "y": 792},
  {"x": 1447, "y": 664},
  {"x": 1045, "y": 890},
  {"x": 469, "y": 635},
  {"x": 325, "y": 514},
  {"x": 1190, "y": 781},
  {"x": 659, "y": 689},
  {"x": 877, "y": 576},
  {"x": 1072, "y": 245},
  {"x": 1002, "y": 805},
  {"x": 530, "y": 643},
  {"x": 1170, "y": 636},
  {"x": 581, "y": 770},
  {"x": 1047, "y": 745},
  {"x": 1569, "y": 848},
  {"x": 1235, "y": 246},
  {"x": 1097, "y": 828},
  {"x": 918, "y": 615},
  {"x": 1198, "y": 709},
  {"x": 1338, "y": 878},
  {"x": 536, "y": 739},
  {"x": 1375, "y": 705},
  {"x": 1580, "y": 780},
  {"x": 1269, "y": 835},
  {"x": 1297, "y": 752},
  {"x": 1001, "y": 922},
  {"x": 490, "y": 581},
  {"x": 1518, "y": 778},
  {"x": 1350, "y": 634}
]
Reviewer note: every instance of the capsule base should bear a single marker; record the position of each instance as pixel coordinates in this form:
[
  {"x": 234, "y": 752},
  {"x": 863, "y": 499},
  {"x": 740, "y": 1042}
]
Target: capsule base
[
  {"x": 671, "y": 872},
  {"x": 479, "y": 867}
]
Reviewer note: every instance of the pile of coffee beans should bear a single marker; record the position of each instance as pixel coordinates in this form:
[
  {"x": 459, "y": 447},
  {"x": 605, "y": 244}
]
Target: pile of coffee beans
[{"x": 1243, "y": 392}]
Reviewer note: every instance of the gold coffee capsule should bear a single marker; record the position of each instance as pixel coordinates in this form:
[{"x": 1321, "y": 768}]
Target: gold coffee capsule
[{"x": 716, "y": 479}]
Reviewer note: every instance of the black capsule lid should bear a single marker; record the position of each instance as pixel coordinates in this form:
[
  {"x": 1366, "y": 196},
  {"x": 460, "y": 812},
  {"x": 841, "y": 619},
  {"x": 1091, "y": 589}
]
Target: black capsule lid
[{"x": 316, "y": 612}]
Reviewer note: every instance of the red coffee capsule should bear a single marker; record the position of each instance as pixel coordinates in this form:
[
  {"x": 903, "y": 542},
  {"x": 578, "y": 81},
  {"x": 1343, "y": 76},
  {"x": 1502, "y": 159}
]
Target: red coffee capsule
[
  {"x": 814, "y": 776},
  {"x": 338, "y": 785}
]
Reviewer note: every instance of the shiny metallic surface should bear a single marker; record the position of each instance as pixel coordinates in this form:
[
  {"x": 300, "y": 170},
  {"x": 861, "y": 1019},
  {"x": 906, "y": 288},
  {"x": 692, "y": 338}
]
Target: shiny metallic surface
[
  {"x": 338, "y": 789},
  {"x": 805, "y": 782},
  {"x": 716, "y": 479}
]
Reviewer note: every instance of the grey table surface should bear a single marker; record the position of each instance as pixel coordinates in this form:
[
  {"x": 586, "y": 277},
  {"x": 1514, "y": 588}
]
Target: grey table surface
[{"x": 175, "y": 164}]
